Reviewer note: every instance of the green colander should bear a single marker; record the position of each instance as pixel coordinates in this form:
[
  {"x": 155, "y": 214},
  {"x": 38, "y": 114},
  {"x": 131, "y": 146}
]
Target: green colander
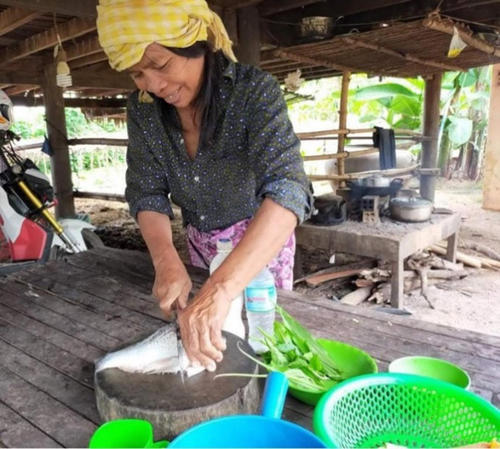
[{"x": 403, "y": 409}]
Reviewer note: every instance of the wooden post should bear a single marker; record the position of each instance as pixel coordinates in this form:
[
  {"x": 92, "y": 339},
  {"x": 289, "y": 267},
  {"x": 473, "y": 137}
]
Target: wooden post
[
  {"x": 491, "y": 187},
  {"x": 431, "y": 129},
  {"x": 56, "y": 131},
  {"x": 344, "y": 95},
  {"x": 248, "y": 49}
]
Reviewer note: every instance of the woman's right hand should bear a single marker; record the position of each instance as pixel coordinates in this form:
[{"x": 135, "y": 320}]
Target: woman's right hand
[{"x": 172, "y": 285}]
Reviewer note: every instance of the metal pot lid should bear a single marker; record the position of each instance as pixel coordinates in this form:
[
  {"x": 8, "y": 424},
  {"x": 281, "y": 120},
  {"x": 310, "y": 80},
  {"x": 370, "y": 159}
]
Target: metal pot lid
[{"x": 411, "y": 202}]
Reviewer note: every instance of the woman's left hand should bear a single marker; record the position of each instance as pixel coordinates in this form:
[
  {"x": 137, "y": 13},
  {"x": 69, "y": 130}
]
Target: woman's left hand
[{"x": 201, "y": 325}]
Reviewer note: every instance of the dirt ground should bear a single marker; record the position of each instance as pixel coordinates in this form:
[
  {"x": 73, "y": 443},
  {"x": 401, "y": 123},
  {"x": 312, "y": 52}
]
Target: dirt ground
[{"x": 471, "y": 303}]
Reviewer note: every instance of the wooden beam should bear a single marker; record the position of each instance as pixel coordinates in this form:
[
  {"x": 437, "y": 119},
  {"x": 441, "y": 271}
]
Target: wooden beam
[
  {"x": 248, "y": 49},
  {"x": 271, "y": 7},
  {"x": 320, "y": 62},
  {"x": 19, "y": 77},
  {"x": 334, "y": 8},
  {"x": 88, "y": 60},
  {"x": 68, "y": 30},
  {"x": 431, "y": 128},
  {"x": 56, "y": 131},
  {"x": 83, "y": 48},
  {"x": 19, "y": 89},
  {"x": 12, "y": 18},
  {"x": 90, "y": 78},
  {"x": 102, "y": 79},
  {"x": 104, "y": 103},
  {"x": 80, "y": 8},
  {"x": 491, "y": 183},
  {"x": 400, "y": 55},
  {"x": 237, "y": 4},
  {"x": 448, "y": 26},
  {"x": 74, "y": 102}
]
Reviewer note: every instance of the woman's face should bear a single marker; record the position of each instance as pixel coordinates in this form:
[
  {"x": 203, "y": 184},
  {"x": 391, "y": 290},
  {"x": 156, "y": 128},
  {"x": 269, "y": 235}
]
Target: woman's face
[{"x": 174, "y": 78}]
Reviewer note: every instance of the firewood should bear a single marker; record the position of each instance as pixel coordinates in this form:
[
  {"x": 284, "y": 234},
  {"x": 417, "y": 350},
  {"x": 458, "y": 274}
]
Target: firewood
[
  {"x": 438, "y": 274},
  {"x": 382, "y": 294},
  {"x": 315, "y": 280},
  {"x": 376, "y": 275},
  {"x": 422, "y": 270},
  {"x": 357, "y": 296},
  {"x": 364, "y": 283},
  {"x": 492, "y": 263},
  {"x": 491, "y": 254},
  {"x": 337, "y": 269},
  {"x": 466, "y": 259},
  {"x": 438, "y": 262}
]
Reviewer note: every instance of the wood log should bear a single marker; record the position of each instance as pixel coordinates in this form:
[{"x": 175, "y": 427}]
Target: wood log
[
  {"x": 173, "y": 404},
  {"x": 382, "y": 294},
  {"x": 357, "y": 296},
  {"x": 364, "y": 283},
  {"x": 313, "y": 281},
  {"x": 488, "y": 252},
  {"x": 438, "y": 274},
  {"x": 492, "y": 263},
  {"x": 466, "y": 259},
  {"x": 438, "y": 262},
  {"x": 362, "y": 265}
]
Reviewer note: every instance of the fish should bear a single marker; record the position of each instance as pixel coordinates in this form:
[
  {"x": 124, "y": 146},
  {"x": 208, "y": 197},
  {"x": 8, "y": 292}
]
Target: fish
[{"x": 161, "y": 352}]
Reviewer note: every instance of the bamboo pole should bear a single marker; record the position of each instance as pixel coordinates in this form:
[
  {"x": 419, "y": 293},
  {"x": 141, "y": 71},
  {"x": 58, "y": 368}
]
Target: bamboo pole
[
  {"x": 438, "y": 24},
  {"x": 319, "y": 62},
  {"x": 328, "y": 132},
  {"x": 405, "y": 56},
  {"x": 343, "y": 155},
  {"x": 344, "y": 96},
  {"x": 351, "y": 176},
  {"x": 414, "y": 139},
  {"x": 100, "y": 196},
  {"x": 99, "y": 141}
]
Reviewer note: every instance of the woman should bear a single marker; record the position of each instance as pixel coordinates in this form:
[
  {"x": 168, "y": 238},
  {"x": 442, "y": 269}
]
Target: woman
[{"x": 215, "y": 136}]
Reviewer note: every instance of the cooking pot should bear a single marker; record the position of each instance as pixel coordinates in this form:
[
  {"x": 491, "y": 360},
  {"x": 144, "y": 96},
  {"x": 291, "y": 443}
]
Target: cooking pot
[
  {"x": 359, "y": 188},
  {"x": 376, "y": 181},
  {"x": 410, "y": 209}
]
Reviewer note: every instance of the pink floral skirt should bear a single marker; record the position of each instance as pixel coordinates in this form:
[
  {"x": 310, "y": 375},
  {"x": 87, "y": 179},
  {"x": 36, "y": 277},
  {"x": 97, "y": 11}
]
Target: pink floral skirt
[{"x": 202, "y": 248}]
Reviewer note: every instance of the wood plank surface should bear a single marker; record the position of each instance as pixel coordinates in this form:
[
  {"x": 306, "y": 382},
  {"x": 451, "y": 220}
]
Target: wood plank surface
[
  {"x": 57, "y": 319},
  {"x": 16, "y": 431}
]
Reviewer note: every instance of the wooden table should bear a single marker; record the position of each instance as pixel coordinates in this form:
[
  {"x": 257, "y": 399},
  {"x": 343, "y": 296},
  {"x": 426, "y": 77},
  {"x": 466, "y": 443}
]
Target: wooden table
[
  {"x": 56, "y": 319},
  {"x": 390, "y": 240}
]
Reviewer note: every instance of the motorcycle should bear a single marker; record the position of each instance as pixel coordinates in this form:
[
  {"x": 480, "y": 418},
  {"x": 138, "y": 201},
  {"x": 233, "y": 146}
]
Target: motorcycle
[{"x": 32, "y": 232}]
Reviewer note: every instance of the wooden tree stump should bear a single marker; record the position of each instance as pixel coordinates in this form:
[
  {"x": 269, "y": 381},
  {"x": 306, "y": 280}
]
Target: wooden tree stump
[{"x": 172, "y": 404}]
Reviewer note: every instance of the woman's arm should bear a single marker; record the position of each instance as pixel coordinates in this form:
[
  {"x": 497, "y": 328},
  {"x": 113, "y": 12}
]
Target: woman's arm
[
  {"x": 201, "y": 322},
  {"x": 172, "y": 283}
]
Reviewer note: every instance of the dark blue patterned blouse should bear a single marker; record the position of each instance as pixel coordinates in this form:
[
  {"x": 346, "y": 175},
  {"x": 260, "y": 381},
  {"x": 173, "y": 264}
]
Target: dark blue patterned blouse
[{"x": 254, "y": 154}]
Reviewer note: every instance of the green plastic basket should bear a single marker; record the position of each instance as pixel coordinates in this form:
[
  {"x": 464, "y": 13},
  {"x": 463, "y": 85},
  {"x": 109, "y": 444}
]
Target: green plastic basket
[{"x": 403, "y": 409}]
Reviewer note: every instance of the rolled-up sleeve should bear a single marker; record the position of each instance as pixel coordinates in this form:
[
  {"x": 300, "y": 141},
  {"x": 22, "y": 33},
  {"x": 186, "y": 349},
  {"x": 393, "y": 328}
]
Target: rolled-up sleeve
[
  {"x": 274, "y": 149},
  {"x": 147, "y": 184}
]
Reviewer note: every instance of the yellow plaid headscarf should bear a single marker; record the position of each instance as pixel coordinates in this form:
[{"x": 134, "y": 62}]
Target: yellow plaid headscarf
[{"x": 127, "y": 27}]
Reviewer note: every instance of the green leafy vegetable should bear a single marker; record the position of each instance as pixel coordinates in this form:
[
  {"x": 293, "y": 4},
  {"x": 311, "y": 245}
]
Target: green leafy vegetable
[{"x": 293, "y": 351}]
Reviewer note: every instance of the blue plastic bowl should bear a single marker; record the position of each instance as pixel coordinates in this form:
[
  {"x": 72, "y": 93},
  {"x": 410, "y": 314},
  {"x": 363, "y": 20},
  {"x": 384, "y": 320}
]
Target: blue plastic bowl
[{"x": 246, "y": 431}]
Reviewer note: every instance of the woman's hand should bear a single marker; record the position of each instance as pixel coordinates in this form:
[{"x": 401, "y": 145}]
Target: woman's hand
[
  {"x": 172, "y": 285},
  {"x": 201, "y": 325}
]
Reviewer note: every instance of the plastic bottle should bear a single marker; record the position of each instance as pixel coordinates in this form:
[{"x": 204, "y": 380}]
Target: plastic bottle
[
  {"x": 234, "y": 322},
  {"x": 260, "y": 305}
]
